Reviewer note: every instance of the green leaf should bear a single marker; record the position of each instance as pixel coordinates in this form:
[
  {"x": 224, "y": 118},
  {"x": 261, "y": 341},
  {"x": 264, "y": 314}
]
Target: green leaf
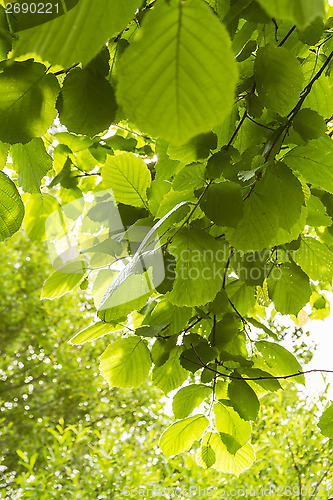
[
  {"x": 199, "y": 262},
  {"x": 251, "y": 267},
  {"x": 117, "y": 299},
  {"x": 173, "y": 83},
  {"x": 236, "y": 350},
  {"x": 11, "y": 208},
  {"x": 27, "y": 101},
  {"x": 193, "y": 357},
  {"x": 191, "y": 176},
  {"x": 299, "y": 12},
  {"x": 149, "y": 331},
  {"x": 326, "y": 422},
  {"x": 225, "y": 330},
  {"x": 225, "y": 461},
  {"x": 269, "y": 384},
  {"x": 263, "y": 327},
  {"x": 279, "y": 78},
  {"x": 317, "y": 215},
  {"x": 162, "y": 348},
  {"x": 172, "y": 198},
  {"x": 223, "y": 203},
  {"x": 37, "y": 209},
  {"x": 180, "y": 318},
  {"x": 4, "y": 148},
  {"x": 129, "y": 178},
  {"x": 315, "y": 259},
  {"x": 73, "y": 142},
  {"x": 243, "y": 399},
  {"x": 266, "y": 211},
  {"x": 314, "y": 162},
  {"x": 161, "y": 314},
  {"x": 93, "y": 332},
  {"x": 280, "y": 361},
  {"x": 171, "y": 374},
  {"x": 165, "y": 167},
  {"x": 206, "y": 456},
  {"x": 181, "y": 435},
  {"x": 198, "y": 148},
  {"x": 28, "y": 19},
  {"x": 234, "y": 431},
  {"x": 87, "y": 103},
  {"x": 289, "y": 288},
  {"x": 63, "y": 280},
  {"x": 95, "y": 23},
  {"x": 242, "y": 296},
  {"x": 126, "y": 362},
  {"x": 32, "y": 163},
  {"x": 188, "y": 398},
  {"x": 309, "y": 124}
]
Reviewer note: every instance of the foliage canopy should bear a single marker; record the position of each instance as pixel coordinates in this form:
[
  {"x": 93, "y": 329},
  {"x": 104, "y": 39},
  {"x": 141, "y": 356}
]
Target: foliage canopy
[{"x": 209, "y": 200}]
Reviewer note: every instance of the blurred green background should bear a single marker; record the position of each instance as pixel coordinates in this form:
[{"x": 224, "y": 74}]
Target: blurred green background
[{"x": 65, "y": 434}]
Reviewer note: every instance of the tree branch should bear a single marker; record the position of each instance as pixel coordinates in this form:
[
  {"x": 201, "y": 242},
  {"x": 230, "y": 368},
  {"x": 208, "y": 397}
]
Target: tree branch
[{"x": 234, "y": 377}]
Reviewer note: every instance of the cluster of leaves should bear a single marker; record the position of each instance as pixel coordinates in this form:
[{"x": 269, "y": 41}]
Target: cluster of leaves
[
  {"x": 212, "y": 200},
  {"x": 82, "y": 439}
]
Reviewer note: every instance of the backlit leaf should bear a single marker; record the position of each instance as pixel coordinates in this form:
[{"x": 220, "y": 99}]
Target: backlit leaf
[
  {"x": 326, "y": 422},
  {"x": 188, "y": 398},
  {"x": 199, "y": 262},
  {"x": 300, "y": 12},
  {"x": 32, "y": 163},
  {"x": 93, "y": 332},
  {"x": 289, "y": 288},
  {"x": 225, "y": 461},
  {"x": 27, "y": 101},
  {"x": 129, "y": 178},
  {"x": 95, "y": 23},
  {"x": 11, "y": 208},
  {"x": 63, "y": 280},
  {"x": 280, "y": 361},
  {"x": 315, "y": 259},
  {"x": 177, "y": 79},
  {"x": 126, "y": 362},
  {"x": 181, "y": 435}
]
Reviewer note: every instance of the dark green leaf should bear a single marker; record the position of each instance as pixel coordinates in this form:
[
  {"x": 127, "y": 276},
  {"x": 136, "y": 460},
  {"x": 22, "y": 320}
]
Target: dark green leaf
[
  {"x": 223, "y": 203},
  {"x": 86, "y": 104},
  {"x": 279, "y": 78},
  {"x": 289, "y": 288},
  {"x": 243, "y": 399},
  {"x": 309, "y": 124}
]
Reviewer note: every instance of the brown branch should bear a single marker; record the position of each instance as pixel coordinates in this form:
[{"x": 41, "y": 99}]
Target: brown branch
[
  {"x": 65, "y": 71},
  {"x": 227, "y": 267},
  {"x": 237, "y": 130},
  {"x": 287, "y": 36},
  {"x": 234, "y": 377}
]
